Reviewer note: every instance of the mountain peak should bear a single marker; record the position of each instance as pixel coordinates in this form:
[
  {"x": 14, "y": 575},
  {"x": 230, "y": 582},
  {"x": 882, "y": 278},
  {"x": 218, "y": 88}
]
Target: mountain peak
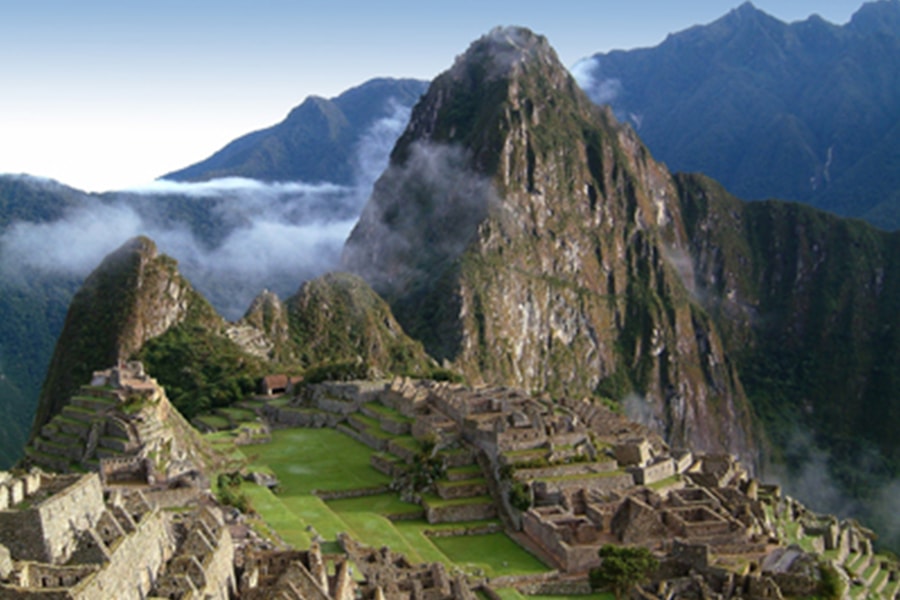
[
  {"x": 880, "y": 16},
  {"x": 503, "y": 51}
]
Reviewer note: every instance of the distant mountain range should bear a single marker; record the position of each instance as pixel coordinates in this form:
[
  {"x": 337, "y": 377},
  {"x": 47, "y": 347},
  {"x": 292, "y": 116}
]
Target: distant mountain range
[
  {"x": 807, "y": 111},
  {"x": 208, "y": 226},
  {"x": 316, "y": 142}
]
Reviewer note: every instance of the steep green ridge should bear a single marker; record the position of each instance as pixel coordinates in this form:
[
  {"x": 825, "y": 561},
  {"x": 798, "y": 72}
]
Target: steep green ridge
[
  {"x": 314, "y": 143},
  {"x": 804, "y": 111},
  {"x": 136, "y": 304},
  {"x": 133, "y": 296},
  {"x": 808, "y": 306},
  {"x": 338, "y": 318},
  {"x": 526, "y": 237}
]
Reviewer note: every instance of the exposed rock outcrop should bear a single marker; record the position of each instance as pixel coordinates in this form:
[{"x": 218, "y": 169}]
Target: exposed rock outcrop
[{"x": 524, "y": 235}]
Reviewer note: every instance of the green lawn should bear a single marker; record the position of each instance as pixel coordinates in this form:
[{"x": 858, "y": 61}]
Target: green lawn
[
  {"x": 316, "y": 459},
  {"x": 382, "y": 504},
  {"x": 213, "y": 421},
  {"x": 237, "y": 415},
  {"x": 325, "y": 459},
  {"x": 493, "y": 553},
  {"x": 376, "y": 531},
  {"x": 291, "y": 529},
  {"x": 314, "y": 511}
]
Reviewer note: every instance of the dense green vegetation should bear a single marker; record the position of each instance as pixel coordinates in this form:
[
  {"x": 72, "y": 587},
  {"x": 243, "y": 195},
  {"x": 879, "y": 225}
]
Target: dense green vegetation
[
  {"x": 622, "y": 568},
  {"x": 813, "y": 329},
  {"x": 201, "y": 370},
  {"x": 343, "y": 329}
]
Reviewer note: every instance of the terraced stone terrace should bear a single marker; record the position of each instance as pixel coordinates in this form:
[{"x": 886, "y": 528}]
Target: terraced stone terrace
[
  {"x": 357, "y": 464},
  {"x": 315, "y": 466}
]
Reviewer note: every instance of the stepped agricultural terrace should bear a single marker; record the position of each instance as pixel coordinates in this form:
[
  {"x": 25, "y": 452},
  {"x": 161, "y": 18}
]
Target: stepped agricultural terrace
[
  {"x": 121, "y": 426},
  {"x": 563, "y": 477},
  {"x": 590, "y": 477}
]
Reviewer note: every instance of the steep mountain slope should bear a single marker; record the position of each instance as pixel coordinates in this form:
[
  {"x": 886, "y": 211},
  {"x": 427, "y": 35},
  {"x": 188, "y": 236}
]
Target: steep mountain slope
[
  {"x": 134, "y": 295},
  {"x": 314, "y": 143},
  {"x": 338, "y": 318},
  {"x": 32, "y": 309},
  {"x": 808, "y": 304},
  {"x": 137, "y": 305},
  {"x": 807, "y": 111},
  {"x": 524, "y": 235}
]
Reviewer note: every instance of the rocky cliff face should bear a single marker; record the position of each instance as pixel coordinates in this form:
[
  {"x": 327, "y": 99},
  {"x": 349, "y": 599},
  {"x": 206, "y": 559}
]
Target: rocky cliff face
[
  {"x": 135, "y": 295},
  {"x": 525, "y": 236}
]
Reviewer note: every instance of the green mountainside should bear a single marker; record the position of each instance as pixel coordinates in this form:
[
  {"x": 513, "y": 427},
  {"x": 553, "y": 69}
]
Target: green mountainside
[
  {"x": 806, "y": 111},
  {"x": 314, "y": 143},
  {"x": 134, "y": 295},
  {"x": 137, "y": 305},
  {"x": 807, "y": 303},
  {"x": 32, "y": 309},
  {"x": 525, "y": 236}
]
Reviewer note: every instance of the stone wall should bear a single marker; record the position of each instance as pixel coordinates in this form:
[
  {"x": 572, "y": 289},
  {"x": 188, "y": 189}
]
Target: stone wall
[
  {"x": 132, "y": 468},
  {"x": 454, "y": 513},
  {"x": 573, "y": 557},
  {"x": 48, "y": 531},
  {"x": 549, "y": 488},
  {"x": 654, "y": 472},
  {"x": 134, "y": 563},
  {"x": 526, "y": 474}
]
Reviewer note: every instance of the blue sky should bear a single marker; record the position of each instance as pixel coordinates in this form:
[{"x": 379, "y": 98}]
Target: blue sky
[{"x": 109, "y": 94}]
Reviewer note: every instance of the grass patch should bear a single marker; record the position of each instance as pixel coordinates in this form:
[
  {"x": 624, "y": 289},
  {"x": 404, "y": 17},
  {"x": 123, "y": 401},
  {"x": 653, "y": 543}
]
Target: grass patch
[
  {"x": 237, "y": 415},
  {"x": 493, "y": 553},
  {"x": 467, "y": 470},
  {"x": 316, "y": 459},
  {"x": 216, "y": 422},
  {"x": 376, "y": 531},
  {"x": 387, "y": 412},
  {"x": 664, "y": 483},
  {"x": 382, "y": 504},
  {"x": 604, "y": 596},
  {"x": 314, "y": 511},
  {"x": 275, "y": 514},
  {"x": 577, "y": 476},
  {"x": 436, "y": 501},
  {"x": 414, "y": 534}
]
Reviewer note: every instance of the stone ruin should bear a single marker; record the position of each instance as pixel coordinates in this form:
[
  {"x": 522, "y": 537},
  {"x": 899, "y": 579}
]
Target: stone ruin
[
  {"x": 121, "y": 426},
  {"x": 592, "y": 478},
  {"x": 63, "y": 537},
  {"x": 382, "y": 575}
]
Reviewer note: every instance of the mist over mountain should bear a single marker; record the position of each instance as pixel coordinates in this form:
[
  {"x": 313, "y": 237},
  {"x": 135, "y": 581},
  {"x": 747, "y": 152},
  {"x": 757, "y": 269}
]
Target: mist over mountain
[
  {"x": 233, "y": 237},
  {"x": 521, "y": 234},
  {"x": 806, "y": 111}
]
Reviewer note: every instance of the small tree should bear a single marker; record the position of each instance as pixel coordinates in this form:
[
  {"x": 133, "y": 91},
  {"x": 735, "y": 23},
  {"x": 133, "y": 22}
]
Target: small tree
[{"x": 622, "y": 568}]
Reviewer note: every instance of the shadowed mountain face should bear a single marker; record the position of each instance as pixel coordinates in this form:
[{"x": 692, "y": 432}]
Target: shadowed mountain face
[
  {"x": 525, "y": 236},
  {"x": 806, "y": 111}
]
